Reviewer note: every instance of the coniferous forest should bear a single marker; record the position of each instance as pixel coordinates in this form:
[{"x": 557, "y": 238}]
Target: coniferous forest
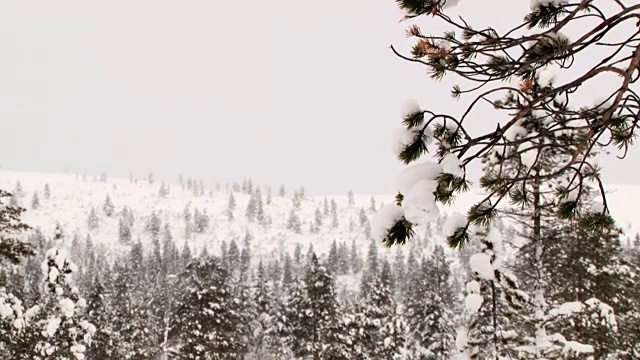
[
  {"x": 164, "y": 295},
  {"x": 501, "y": 239}
]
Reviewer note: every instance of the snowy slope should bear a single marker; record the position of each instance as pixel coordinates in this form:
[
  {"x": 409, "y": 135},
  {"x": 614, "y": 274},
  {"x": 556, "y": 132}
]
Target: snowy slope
[{"x": 72, "y": 199}]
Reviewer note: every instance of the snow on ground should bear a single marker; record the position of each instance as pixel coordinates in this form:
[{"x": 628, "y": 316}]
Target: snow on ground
[{"x": 72, "y": 199}]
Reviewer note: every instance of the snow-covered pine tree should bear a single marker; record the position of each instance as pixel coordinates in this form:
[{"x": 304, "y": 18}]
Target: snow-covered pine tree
[
  {"x": 233, "y": 257},
  {"x": 47, "y": 191},
  {"x": 362, "y": 216},
  {"x": 153, "y": 225},
  {"x": 586, "y": 266},
  {"x": 313, "y": 316},
  {"x": 124, "y": 232},
  {"x": 185, "y": 256},
  {"x": 163, "y": 191},
  {"x": 275, "y": 271},
  {"x": 325, "y": 207},
  {"x": 231, "y": 205},
  {"x": 123, "y": 305},
  {"x": 265, "y": 340},
  {"x": 269, "y": 195},
  {"x": 432, "y": 320},
  {"x": 334, "y": 220},
  {"x": 332, "y": 259},
  {"x": 531, "y": 57},
  {"x": 64, "y": 333},
  {"x": 399, "y": 271},
  {"x": 287, "y": 271},
  {"x": 354, "y": 256},
  {"x": 260, "y": 215},
  {"x": 245, "y": 255},
  {"x": 534, "y": 101},
  {"x": 18, "y": 190},
  {"x": 108, "y": 206},
  {"x": 350, "y": 199},
  {"x": 206, "y": 324},
  {"x": 344, "y": 264},
  {"x": 382, "y": 334},
  {"x": 92, "y": 221},
  {"x": 35, "y": 201},
  {"x": 249, "y": 189},
  {"x": 127, "y": 216},
  {"x": 251, "y": 210},
  {"x": 98, "y": 313},
  {"x": 11, "y": 248},
  {"x": 491, "y": 304},
  {"x": 293, "y": 222},
  {"x": 371, "y": 272},
  {"x": 170, "y": 255},
  {"x": 296, "y": 200},
  {"x": 318, "y": 218}
]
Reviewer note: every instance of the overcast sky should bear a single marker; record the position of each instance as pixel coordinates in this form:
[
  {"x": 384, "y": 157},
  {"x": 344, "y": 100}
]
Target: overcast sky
[{"x": 281, "y": 91}]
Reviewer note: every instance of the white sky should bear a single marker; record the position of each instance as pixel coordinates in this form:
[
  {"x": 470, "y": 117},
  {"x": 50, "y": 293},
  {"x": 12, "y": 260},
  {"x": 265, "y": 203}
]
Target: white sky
[{"x": 281, "y": 91}]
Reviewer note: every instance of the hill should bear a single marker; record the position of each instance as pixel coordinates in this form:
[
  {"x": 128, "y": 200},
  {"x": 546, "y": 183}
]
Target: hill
[{"x": 72, "y": 197}]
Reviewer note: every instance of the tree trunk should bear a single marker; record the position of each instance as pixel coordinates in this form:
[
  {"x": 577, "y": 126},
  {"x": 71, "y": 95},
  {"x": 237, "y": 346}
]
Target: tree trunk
[{"x": 538, "y": 300}]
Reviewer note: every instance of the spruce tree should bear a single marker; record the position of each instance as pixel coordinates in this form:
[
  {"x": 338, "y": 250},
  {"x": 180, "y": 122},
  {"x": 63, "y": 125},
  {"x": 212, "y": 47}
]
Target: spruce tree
[
  {"x": 269, "y": 198},
  {"x": 108, "y": 207},
  {"x": 344, "y": 264},
  {"x": 251, "y": 210},
  {"x": 231, "y": 205},
  {"x": 206, "y": 324},
  {"x": 124, "y": 232},
  {"x": 318, "y": 218},
  {"x": 399, "y": 270},
  {"x": 314, "y": 315},
  {"x": 11, "y": 248},
  {"x": 18, "y": 191},
  {"x": 35, "y": 201},
  {"x": 64, "y": 331},
  {"x": 245, "y": 254},
  {"x": 98, "y": 313},
  {"x": 293, "y": 223},
  {"x": 233, "y": 257},
  {"x": 432, "y": 323},
  {"x": 354, "y": 255},
  {"x": 260, "y": 215},
  {"x": 491, "y": 304},
  {"x": 93, "y": 221},
  {"x": 200, "y": 220},
  {"x": 153, "y": 225},
  {"x": 332, "y": 260},
  {"x": 297, "y": 254},
  {"x": 287, "y": 271},
  {"x": 186, "y": 256},
  {"x": 163, "y": 191},
  {"x": 264, "y": 336},
  {"x": 47, "y": 191},
  {"x": 275, "y": 271}
]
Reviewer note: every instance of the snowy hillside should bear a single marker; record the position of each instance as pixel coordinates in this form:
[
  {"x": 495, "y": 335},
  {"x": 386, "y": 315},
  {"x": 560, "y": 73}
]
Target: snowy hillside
[{"x": 72, "y": 197}]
